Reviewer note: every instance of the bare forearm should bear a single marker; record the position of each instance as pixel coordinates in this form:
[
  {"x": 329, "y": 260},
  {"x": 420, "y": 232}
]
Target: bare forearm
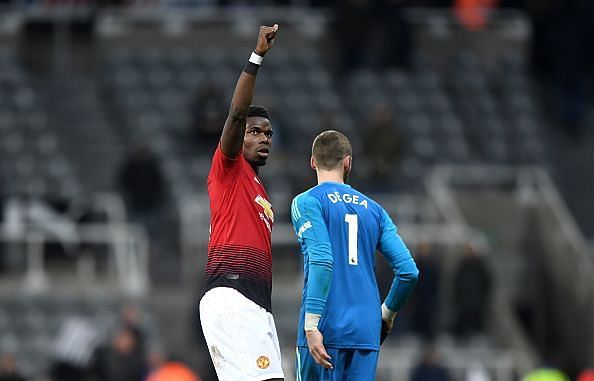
[
  {"x": 232, "y": 136},
  {"x": 243, "y": 95}
]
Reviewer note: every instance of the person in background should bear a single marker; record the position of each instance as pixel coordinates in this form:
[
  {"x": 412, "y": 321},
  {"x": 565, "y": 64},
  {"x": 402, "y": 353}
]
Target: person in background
[
  {"x": 351, "y": 17},
  {"x": 382, "y": 156},
  {"x": 8, "y": 369},
  {"x": 425, "y": 300},
  {"x": 142, "y": 185},
  {"x": 473, "y": 14},
  {"x": 131, "y": 319},
  {"x": 394, "y": 33},
  {"x": 208, "y": 115},
  {"x": 472, "y": 289},
  {"x": 172, "y": 370},
  {"x": 121, "y": 361},
  {"x": 430, "y": 368}
]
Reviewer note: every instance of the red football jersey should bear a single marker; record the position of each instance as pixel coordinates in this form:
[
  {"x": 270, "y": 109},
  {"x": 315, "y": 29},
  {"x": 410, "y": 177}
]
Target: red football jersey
[{"x": 241, "y": 217}]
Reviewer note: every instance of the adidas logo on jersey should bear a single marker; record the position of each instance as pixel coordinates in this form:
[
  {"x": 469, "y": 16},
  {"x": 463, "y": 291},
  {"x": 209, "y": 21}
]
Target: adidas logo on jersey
[{"x": 303, "y": 228}]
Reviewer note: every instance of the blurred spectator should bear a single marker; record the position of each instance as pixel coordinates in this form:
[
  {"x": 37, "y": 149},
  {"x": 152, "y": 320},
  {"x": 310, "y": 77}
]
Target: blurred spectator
[
  {"x": 430, "y": 368},
  {"x": 121, "y": 361},
  {"x": 209, "y": 110},
  {"x": 472, "y": 289},
  {"x": 586, "y": 375},
  {"x": 142, "y": 185},
  {"x": 542, "y": 14},
  {"x": 477, "y": 372},
  {"x": 473, "y": 13},
  {"x": 8, "y": 369},
  {"x": 370, "y": 32},
  {"x": 355, "y": 22},
  {"x": 130, "y": 318},
  {"x": 138, "y": 323},
  {"x": 545, "y": 374},
  {"x": 425, "y": 301},
  {"x": 154, "y": 361},
  {"x": 561, "y": 51},
  {"x": 73, "y": 349},
  {"x": 383, "y": 148},
  {"x": 569, "y": 34},
  {"x": 394, "y": 33},
  {"x": 173, "y": 371}
]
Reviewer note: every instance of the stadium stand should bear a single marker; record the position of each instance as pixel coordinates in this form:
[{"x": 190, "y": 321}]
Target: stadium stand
[
  {"x": 33, "y": 160},
  {"x": 474, "y": 169}
]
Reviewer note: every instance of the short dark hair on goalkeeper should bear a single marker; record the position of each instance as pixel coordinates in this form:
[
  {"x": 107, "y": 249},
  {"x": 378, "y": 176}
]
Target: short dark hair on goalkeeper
[
  {"x": 257, "y": 110},
  {"x": 329, "y": 148}
]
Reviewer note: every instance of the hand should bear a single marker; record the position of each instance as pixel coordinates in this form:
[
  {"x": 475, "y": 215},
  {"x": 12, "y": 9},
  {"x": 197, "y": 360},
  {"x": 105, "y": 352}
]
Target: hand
[
  {"x": 386, "y": 329},
  {"x": 265, "y": 39},
  {"x": 316, "y": 348}
]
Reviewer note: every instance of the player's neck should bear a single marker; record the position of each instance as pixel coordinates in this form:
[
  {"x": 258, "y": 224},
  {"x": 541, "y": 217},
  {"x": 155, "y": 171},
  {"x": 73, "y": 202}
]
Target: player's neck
[
  {"x": 255, "y": 168},
  {"x": 329, "y": 176}
]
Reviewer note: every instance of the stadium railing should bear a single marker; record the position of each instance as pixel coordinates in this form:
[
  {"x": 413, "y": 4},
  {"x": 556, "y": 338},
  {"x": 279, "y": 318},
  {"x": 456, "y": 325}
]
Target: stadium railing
[{"x": 127, "y": 243}]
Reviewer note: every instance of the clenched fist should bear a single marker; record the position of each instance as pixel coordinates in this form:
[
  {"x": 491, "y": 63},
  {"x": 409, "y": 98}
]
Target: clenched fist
[{"x": 265, "y": 39}]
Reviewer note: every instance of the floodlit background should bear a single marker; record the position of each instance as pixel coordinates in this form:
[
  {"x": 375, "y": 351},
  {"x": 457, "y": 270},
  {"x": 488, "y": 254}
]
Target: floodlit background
[{"x": 471, "y": 122}]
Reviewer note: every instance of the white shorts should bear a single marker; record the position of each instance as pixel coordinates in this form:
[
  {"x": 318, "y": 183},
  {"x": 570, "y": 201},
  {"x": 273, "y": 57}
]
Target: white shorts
[{"x": 241, "y": 337}]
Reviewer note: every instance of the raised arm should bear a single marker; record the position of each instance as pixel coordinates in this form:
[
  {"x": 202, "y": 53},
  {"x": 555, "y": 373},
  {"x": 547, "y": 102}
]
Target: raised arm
[{"x": 234, "y": 130}]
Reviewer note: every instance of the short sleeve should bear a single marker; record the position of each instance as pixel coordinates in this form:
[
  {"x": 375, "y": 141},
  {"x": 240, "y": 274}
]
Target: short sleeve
[{"x": 223, "y": 168}]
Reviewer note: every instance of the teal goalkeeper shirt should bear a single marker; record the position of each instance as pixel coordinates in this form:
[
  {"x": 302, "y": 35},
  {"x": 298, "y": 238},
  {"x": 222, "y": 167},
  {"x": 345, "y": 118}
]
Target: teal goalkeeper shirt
[{"x": 339, "y": 230}]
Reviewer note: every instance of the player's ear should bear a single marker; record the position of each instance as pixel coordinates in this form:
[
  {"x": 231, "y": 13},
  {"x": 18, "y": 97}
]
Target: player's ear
[
  {"x": 347, "y": 163},
  {"x": 313, "y": 164}
]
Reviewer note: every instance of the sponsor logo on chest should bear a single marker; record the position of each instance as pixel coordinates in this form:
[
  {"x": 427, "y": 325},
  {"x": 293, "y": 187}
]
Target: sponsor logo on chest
[{"x": 267, "y": 214}]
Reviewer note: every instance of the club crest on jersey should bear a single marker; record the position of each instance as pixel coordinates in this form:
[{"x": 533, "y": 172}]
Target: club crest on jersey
[
  {"x": 266, "y": 206},
  {"x": 263, "y": 362}
]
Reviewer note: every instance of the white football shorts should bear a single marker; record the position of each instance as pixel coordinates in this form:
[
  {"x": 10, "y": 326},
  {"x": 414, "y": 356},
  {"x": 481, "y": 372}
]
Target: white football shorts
[{"x": 241, "y": 337}]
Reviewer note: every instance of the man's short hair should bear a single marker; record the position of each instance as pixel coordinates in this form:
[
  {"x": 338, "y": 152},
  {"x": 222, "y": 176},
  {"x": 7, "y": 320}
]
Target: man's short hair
[
  {"x": 329, "y": 148},
  {"x": 256, "y": 110}
]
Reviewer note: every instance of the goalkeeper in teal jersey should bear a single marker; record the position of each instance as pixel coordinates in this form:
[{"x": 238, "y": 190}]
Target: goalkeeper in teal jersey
[{"x": 342, "y": 321}]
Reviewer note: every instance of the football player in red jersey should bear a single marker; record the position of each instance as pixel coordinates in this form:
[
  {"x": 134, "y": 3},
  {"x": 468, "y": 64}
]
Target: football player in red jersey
[{"x": 235, "y": 310}]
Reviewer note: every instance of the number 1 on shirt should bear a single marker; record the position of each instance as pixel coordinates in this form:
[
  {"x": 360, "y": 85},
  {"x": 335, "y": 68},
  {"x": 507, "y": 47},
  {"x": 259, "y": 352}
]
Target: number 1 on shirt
[{"x": 351, "y": 220}]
